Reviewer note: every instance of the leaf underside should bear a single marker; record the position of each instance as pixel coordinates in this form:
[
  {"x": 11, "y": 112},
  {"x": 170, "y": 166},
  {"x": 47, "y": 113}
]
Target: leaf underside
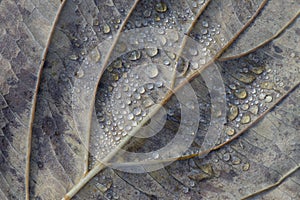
[{"x": 71, "y": 98}]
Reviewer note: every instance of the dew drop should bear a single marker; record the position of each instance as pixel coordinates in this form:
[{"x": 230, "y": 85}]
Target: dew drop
[
  {"x": 147, "y": 13},
  {"x": 236, "y": 160},
  {"x": 151, "y": 52},
  {"x": 268, "y": 99},
  {"x": 226, "y": 156},
  {"x": 258, "y": 70},
  {"x": 134, "y": 55},
  {"x": 130, "y": 116},
  {"x": 137, "y": 111},
  {"x": 267, "y": 85},
  {"x": 95, "y": 55},
  {"x": 79, "y": 73},
  {"x": 245, "y": 119},
  {"x": 161, "y": 7},
  {"x": 246, "y": 167},
  {"x": 241, "y": 93},
  {"x": 155, "y": 155},
  {"x": 233, "y": 112},
  {"x": 245, "y": 78},
  {"x": 205, "y": 24},
  {"x": 106, "y": 28},
  {"x": 152, "y": 71},
  {"x": 73, "y": 57},
  {"x": 245, "y": 106},
  {"x": 229, "y": 131},
  {"x": 254, "y": 109}
]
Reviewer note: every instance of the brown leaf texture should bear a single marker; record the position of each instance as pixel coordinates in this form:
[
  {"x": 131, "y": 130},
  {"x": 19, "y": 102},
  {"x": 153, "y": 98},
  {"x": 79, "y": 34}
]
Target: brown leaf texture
[{"x": 138, "y": 99}]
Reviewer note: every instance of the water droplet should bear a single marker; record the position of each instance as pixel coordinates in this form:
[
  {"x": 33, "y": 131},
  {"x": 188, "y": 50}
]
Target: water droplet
[
  {"x": 226, "y": 156},
  {"x": 130, "y": 116},
  {"x": 150, "y": 86},
  {"x": 79, "y": 73},
  {"x": 246, "y": 166},
  {"x": 151, "y": 52},
  {"x": 159, "y": 84},
  {"x": 245, "y": 119},
  {"x": 185, "y": 190},
  {"x": 293, "y": 55},
  {"x": 137, "y": 111},
  {"x": 241, "y": 93},
  {"x": 115, "y": 76},
  {"x": 167, "y": 62},
  {"x": 204, "y": 32},
  {"x": 73, "y": 57},
  {"x": 245, "y": 106},
  {"x": 194, "y": 65},
  {"x": 161, "y": 7},
  {"x": 205, "y": 24},
  {"x": 193, "y": 51},
  {"x": 152, "y": 71},
  {"x": 258, "y": 70},
  {"x": 229, "y": 131},
  {"x": 245, "y": 78},
  {"x": 155, "y": 155},
  {"x": 254, "y": 109},
  {"x": 128, "y": 128},
  {"x": 147, "y": 13},
  {"x": 262, "y": 96},
  {"x": 171, "y": 55},
  {"x": 268, "y": 99},
  {"x": 141, "y": 90},
  {"x": 117, "y": 64},
  {"x": 267, "y": 85},
  {"x": 147, "y": 103},
  {"x": 233, "y": 112},
  {"x": 137, "y": 96},
  {"x": 106, "y": 28},
  {"x": 236, "y": 160},
  {"x": 134, "y": 55},
  {"x": 95, "y": 55}
]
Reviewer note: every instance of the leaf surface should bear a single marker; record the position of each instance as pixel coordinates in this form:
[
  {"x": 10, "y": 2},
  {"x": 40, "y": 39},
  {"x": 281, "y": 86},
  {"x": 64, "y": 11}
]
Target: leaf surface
[{"x": 241, "y": 114}]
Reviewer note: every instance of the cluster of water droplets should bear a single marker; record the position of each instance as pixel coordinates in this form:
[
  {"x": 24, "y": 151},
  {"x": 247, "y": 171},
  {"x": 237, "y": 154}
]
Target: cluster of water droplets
[
  {"x": 251, "y": 90},
  {"x": 125, "y": 95}
]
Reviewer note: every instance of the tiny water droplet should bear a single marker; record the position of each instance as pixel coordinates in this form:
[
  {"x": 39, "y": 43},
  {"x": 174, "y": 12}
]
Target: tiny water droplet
[{"x": 205, "y": 24}]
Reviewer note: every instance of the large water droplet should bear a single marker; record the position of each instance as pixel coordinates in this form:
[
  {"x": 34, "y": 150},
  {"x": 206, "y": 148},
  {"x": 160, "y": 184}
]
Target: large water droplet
[
  {"x": 95, "y": 55},
  {"x": 245, "y": 119},
  {"x": 152, "y": 71},
  {"x": 134, "y": 55},
  {"x": 233, "y": 112},
  {"x": 106, "y": 28},
  {"x": 151, "y": 52}
]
